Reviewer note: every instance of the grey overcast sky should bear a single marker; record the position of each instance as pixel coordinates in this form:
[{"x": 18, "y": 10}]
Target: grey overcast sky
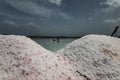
[{"x": 59, "y": 17}]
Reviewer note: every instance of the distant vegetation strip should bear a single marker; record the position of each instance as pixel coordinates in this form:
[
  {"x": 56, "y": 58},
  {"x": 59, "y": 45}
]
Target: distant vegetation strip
[{"x": 52, "y": 37}]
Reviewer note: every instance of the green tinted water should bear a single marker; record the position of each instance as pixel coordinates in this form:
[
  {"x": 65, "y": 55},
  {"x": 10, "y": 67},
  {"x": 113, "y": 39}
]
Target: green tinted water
[{"x": 53, "y": 45}]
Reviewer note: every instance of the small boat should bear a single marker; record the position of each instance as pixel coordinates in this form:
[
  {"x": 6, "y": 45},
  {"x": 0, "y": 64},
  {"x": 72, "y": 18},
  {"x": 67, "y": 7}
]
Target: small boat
[{"x": 55, "y": 40}]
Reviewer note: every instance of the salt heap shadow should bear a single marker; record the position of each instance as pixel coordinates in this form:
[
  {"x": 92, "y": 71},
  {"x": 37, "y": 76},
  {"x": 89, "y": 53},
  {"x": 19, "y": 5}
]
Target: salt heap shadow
[
  {"x": 97, "y": 57},
  {"x": 23, "y": 59}
]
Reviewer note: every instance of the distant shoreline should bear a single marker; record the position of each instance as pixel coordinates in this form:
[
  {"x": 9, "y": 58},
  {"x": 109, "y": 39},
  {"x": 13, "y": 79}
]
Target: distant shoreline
[
  {"x": 51, "y": 37},
  {"x": 58, "y": 37}
]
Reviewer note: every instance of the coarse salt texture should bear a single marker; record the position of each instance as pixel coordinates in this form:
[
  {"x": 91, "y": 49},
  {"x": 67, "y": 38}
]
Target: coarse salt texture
[
  {"x": 97, "y": 57},
  {"x": 23, "y": 59}
]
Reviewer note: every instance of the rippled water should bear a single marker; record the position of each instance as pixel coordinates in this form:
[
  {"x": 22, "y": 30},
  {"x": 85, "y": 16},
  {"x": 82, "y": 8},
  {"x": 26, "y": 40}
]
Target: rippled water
[{"x": 51, "y": 45}]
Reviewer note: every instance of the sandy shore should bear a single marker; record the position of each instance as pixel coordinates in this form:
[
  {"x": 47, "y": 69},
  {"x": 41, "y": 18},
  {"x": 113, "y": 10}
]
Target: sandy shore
[
  {"x": 93, "y": 57},
  {"x": 23, "y": 59}
]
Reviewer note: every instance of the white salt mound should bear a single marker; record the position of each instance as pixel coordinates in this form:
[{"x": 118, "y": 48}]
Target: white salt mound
[
  {"x": 23, "y": 59},
  {"x": 97, "y": 57}
]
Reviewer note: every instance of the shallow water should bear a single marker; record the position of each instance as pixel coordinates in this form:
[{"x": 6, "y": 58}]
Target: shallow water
[{"x": 53, "y": 45}]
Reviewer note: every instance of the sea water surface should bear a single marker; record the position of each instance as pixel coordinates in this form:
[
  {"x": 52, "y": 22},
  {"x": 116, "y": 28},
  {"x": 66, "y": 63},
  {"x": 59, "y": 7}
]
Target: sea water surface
[{"x": 53, "y": 45}]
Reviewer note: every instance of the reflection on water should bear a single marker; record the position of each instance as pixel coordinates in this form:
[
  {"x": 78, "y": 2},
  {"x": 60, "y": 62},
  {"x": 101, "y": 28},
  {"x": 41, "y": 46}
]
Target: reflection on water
[{"x": 52, "y": 43}]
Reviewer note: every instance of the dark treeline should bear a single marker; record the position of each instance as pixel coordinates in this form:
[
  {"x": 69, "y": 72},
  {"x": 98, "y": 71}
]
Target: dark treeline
[{"x": 53, "y": 37}]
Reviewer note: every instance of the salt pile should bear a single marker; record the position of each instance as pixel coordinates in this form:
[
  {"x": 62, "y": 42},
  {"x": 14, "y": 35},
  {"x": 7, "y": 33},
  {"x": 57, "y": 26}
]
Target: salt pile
[
  {"x": 97, "y": 57},
  {"x": 23, "y": 59}
]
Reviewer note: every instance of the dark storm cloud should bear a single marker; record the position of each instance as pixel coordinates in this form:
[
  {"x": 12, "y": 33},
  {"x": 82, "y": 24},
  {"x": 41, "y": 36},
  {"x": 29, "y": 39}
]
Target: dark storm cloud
[
  {"x": 27, "y": 14},
  {"x": 31, "y": 7},
  {"x": 58, "y": 17}
]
